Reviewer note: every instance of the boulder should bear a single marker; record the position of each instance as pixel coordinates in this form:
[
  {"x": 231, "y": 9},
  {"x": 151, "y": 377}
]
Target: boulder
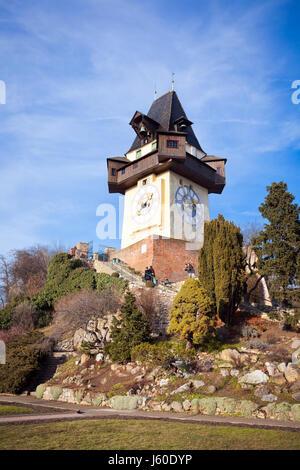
[
  {"x": 234, "y": 372},
  {"x": 261, "y": 391},
  {"x": 254, "y": 378},
  {"x": 231, "y": 355},
  {"x": 84, "y": 358},
  {"x": 186, "y": 405},
  {"x": 177, "y": 406},
  {"x": 99, "y": 357},
  {"x": 166, "y": 407},
  {"x": 296, "y": 396},
  {"x": 282, "y": 367},
  {"x": 271, "y": 368},
  {"x": 269, "y": 397},
  {"x": 224, "y": 372},
  {"x": 119, "y": 402},
  {"x": 92, "y": 325},
  {"x": 295, "y": 412},
  {"x": 292, "y": 373},
  {"x": 40, "y": 390},
  {"x": 197, "y": 383},
  {"x": 296, "y": 357},
  {"x": 296, "y": 386},
  {"x": 226, "y": 405},
  {"x": 278, "y": 379},
  {"x": 211, "y": 389},
  {"x": 81, "y": 335},
  {"x": 282, "y": 411},
  {"x": 207, "y": 406},
  {"x": 247, "y": 407},
  {"x": 295, "y": 344},
  {"x": 183, "y": 388},
  {"x": 163, "y": 382},
  {"x": 195, "y": 405}
]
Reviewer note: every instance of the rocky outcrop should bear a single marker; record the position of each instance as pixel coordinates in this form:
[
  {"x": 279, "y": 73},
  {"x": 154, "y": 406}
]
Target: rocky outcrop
[{"x": 97, "y": 329}]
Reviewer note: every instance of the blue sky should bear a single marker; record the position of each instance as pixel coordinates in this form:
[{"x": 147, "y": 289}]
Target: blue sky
[{"x": 77, "y": 70}]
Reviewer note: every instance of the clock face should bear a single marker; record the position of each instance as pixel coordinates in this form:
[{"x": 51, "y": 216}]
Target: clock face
[
  {"x": 145, "y": 203},
  {"x": 188, "y": 204}
]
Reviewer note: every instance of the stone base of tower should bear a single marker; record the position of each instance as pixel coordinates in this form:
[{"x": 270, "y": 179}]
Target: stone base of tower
[{"x": 167, "y": 256}]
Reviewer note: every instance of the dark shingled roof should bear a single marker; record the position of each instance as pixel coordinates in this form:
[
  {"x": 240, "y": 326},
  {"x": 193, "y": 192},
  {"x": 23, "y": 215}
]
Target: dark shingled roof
[{"x": 165, "y": 110}]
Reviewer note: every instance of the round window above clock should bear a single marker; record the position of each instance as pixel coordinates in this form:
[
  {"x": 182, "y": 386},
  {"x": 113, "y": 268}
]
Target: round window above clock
[
  {"x": 188, "y": 204},
  {"x": 145, "y": 204}
]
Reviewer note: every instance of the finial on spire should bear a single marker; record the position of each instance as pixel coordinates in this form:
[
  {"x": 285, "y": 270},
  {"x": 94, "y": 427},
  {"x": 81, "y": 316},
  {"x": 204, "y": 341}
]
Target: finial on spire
[
  {"x": 173, "y": 73},
  {"x": 155, "y": 91}
]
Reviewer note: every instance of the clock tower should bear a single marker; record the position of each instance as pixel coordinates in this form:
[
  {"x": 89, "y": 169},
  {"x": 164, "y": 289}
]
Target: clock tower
[{"x": 166, "y": 177}]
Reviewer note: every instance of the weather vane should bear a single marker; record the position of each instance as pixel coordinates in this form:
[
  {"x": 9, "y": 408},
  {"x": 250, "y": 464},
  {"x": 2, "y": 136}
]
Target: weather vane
[{"x": 173, "y": 74}]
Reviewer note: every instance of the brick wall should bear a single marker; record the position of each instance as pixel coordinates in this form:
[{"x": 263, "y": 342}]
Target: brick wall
[{"x": 167, "y": 256}]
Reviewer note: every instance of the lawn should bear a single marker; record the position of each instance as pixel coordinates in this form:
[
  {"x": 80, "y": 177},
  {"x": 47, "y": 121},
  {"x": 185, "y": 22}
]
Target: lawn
[
  {"x": 109, "y": 434},
  {"x": 13, "y": 410}
]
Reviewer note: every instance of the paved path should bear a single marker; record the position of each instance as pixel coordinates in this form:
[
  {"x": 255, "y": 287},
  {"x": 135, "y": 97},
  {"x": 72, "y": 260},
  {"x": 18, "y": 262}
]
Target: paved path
[{"x": 68, "y": 411}]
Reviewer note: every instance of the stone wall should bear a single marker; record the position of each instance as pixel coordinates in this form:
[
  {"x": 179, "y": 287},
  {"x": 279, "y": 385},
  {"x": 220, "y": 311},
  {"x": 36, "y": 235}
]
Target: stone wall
[{"x": 167, "y": 256}]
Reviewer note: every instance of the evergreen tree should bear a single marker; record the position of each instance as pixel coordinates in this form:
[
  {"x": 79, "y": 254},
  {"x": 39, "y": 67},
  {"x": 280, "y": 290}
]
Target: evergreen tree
[
  {"x": 278, "y": 245},
  {"x": 222, "y": 266},
  {"x": 191, "y": 317},
  {"x": 131, "y": 330}
]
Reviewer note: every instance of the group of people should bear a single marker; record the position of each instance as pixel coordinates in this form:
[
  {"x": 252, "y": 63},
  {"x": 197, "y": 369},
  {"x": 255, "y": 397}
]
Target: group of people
[{"x": 149, "y": 274}]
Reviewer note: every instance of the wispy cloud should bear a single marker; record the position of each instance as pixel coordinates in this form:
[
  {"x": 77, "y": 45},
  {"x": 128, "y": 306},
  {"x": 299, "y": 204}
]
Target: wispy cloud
[{"x": 77, "y": 71}]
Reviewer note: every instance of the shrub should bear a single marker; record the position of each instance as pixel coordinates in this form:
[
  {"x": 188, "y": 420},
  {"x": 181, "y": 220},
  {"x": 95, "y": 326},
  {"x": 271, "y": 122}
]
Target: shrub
[
  {"x": 222, "y": 266},
  {"x": 291, "y": 320},
  {"x": 271, "y": 339},
  {"x": 115, "y": 275},
  {"x": 86, "y": 347},
  {"x": 67, "y": 275},
  {"x": 25, "y": 315},
  {"x": 23, "y": 357},
  {"x": 74, "y": 310},
  {"x": 191, "y": 317},
  {"x": 131, "y": 330},
  {"x": 280, "y": 355},
  {"x": 249, "y": 332},
  {"x": 274, "y": 315},
  {"x": 161, "y": 354},
  {"x": 257, "y": 344},
  {"x": 148, "y": 303}
]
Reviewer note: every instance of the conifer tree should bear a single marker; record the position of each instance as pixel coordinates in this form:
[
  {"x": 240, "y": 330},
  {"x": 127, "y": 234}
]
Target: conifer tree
[
  {"x": 191, "y": 316},
  {"x": 222, "y": 266},
  {"x": 131, "y": 330},
  {"x": 278, "y": 245}
]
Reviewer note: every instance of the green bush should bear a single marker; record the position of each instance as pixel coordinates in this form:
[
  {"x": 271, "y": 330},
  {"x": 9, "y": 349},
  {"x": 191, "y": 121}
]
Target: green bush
[
  {"x": 106, "y": 281},
  {"x": 67, "y": 275},
  {"x": 162, "y": 353},
  {"x": 86, "y": 347},
  {"x": 131, "y": 330},
  {"x": 191, "y": 317},
  {"x": 23, "y": 357}
]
